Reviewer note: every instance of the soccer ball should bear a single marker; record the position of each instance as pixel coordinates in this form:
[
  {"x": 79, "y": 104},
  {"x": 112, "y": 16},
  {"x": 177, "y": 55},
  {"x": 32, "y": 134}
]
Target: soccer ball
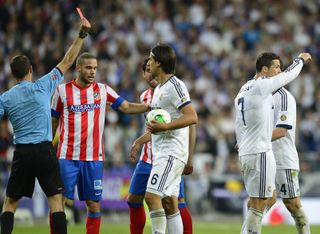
[{"x": 160, "y": 115}]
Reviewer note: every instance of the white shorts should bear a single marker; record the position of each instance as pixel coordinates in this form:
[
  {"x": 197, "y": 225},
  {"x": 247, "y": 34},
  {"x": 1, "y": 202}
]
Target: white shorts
[
  {"x": 165, "y": 176},
  {"x": 287, "y": 183},
  {"x": 259, "y": 171}
]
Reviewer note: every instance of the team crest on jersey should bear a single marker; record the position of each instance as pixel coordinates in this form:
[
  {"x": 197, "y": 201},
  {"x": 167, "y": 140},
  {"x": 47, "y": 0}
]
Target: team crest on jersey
[
  {"x": 283, "y": 117},
  {"x": 96, "y": 96},
  {"x": 183, "y": 100},
  {"x": 54, "y": 77}
]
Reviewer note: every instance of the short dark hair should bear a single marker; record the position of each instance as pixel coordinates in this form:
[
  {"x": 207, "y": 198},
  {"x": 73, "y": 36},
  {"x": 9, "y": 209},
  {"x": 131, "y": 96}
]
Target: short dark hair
[
  {"x": 166, "y": 56},
  {"x": 84, "y": 56},
  {"x": 265, "y": 59},
  {"x": 20, "y": 65},
  {"x": 144, "y": 64}
]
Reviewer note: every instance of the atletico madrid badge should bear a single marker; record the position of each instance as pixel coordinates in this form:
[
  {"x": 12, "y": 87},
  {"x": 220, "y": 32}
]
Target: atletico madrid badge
[{"x": 96, "y": 96}]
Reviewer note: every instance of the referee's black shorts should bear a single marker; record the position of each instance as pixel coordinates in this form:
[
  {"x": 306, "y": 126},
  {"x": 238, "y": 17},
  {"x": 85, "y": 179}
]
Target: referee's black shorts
[{"x": 32, "y": 161}]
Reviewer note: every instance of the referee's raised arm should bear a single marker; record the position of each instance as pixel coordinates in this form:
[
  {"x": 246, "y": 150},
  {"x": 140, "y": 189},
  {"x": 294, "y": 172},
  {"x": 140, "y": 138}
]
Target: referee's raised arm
[{"x": 75, "y": 47}]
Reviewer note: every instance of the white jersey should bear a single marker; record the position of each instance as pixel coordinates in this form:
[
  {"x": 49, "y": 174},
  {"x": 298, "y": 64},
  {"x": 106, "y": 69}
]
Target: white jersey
[
  {"x": 171, "y": 96},
  {"x": 254, "y": 115},
  {"x": 284, "y": 149}
]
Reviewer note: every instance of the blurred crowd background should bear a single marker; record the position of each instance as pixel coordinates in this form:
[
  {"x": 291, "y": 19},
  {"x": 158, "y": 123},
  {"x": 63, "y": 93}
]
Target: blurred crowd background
[{"x": 217, "y": 43}]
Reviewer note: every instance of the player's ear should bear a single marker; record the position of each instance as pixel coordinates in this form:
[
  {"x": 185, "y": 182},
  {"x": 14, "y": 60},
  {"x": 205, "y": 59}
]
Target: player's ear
[
  {"x": 158, "y": 64},
  {"x": 78, "y": 67},
  {"x": 264, "y": 69}
]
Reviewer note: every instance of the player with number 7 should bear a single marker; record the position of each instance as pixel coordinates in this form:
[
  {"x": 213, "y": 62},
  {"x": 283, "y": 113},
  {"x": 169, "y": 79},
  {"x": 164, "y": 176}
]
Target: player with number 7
[{"x": 254, "y": 126}]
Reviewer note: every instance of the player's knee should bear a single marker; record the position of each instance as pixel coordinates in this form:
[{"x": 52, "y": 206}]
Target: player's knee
[
  {"x": 133, "y": 198},
  {"x": 10, "y": 204},
  {"x": 258, "y": 203},
  {"x": 166, "y": 205},
  {"x": 153, "y": 201},
  {"x": 93, "y": 206},
  {"x": 149, "y": 200},
  {"x": 55, "y": 203},
  {"x": 292, "y": 205}
]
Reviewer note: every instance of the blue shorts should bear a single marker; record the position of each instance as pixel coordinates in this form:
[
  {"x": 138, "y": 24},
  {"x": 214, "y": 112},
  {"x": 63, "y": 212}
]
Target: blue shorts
[
  {"x": 87, "y": 175},
  {"x": 140, "y": 178},
  {"x": 181, "y": 191}
]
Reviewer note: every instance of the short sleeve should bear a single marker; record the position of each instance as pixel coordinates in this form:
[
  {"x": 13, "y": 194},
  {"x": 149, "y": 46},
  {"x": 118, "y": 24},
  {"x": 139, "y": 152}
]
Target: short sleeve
[
  {"x": 50, "y": 81},
  {"x": 113, "y": 99},
  {"x": 285, "y": 110},
  {"x": 180, "y": 94},
  {"x": 56, "y": 104}
]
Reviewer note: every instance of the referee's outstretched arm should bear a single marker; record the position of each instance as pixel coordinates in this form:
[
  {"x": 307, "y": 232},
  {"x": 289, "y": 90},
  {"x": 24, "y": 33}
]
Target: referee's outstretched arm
[{"x": 75, "y": 47}]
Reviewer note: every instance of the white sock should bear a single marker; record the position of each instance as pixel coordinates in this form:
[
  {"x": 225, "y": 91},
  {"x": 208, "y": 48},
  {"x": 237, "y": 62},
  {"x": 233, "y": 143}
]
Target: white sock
[
  {"x": 302, "y": 222},
  {"x": 158, "y": 221},
  {"x": 174, "y": 222},
  {"x": 252, "y": 223},
  {"x": 244, "y": 227}
]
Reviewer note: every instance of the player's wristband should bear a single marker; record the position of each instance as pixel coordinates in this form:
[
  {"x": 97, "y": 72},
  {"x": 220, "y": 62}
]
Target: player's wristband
[
  {"x": 302, "y": 60},
  {"x": 82, "y": 34}
]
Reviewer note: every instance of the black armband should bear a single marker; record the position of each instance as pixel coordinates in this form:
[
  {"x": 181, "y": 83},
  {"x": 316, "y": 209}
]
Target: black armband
[{"x": 82, "y": 34}]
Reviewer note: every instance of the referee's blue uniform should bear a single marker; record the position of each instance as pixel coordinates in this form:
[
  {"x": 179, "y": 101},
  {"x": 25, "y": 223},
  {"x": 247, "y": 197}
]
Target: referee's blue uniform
[{"x": 27, "y": 106}]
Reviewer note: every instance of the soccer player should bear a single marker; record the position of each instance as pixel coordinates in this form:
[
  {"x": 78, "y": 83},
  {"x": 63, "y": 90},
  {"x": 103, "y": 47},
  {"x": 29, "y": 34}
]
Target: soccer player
[
  {"x": 286, "y": 156},
  {"x": 142, "y": 171},
  {"x": 254, "y": 125},
  {"x": 80, "y": 106},
  {"x": 170, "y": 152},
  {"x": 27, "y": 105}
]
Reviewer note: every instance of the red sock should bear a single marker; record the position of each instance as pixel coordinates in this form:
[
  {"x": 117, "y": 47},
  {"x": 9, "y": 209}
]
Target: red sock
[
  {"x": 51, "y": 224},
  {"x": 186, "y": 220},
  {"x": 93, "y": 225},
  {"x": 137, "y": 219}
]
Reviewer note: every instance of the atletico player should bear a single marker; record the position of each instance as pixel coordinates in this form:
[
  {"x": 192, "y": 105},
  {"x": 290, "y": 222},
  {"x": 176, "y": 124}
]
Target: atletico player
[{"x": 80, "y": 106}]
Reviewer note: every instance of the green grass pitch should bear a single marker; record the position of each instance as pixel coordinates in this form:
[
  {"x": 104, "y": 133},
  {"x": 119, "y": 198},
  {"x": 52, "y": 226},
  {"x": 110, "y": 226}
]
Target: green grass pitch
[{"x": 199, "y": 228}]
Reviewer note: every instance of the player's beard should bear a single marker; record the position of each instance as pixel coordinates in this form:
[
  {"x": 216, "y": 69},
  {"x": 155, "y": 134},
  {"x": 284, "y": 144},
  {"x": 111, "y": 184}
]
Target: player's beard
[{"x": 87, "y": 79}]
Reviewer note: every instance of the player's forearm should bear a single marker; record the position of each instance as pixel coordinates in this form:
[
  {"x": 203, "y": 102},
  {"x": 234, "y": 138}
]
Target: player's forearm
[
  {"x": 278, "y": 133},
  {"x": 288, "y": 75},
  {"x": 184, "y": 121},
  {"x": 146, "y": 137},
  {"x": 133, "y": 108},
  {"x": 71, "y": 55}
]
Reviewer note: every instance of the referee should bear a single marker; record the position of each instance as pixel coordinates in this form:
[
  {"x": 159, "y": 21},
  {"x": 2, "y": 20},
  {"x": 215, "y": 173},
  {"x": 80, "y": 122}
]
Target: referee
[{"x": 27, "y": 106}]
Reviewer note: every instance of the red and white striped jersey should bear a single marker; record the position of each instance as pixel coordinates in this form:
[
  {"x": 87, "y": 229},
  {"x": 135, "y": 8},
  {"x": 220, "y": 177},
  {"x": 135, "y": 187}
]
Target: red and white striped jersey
[
  {"x": 82, "y": 117},
  {"x": 146, "y": 154}
]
